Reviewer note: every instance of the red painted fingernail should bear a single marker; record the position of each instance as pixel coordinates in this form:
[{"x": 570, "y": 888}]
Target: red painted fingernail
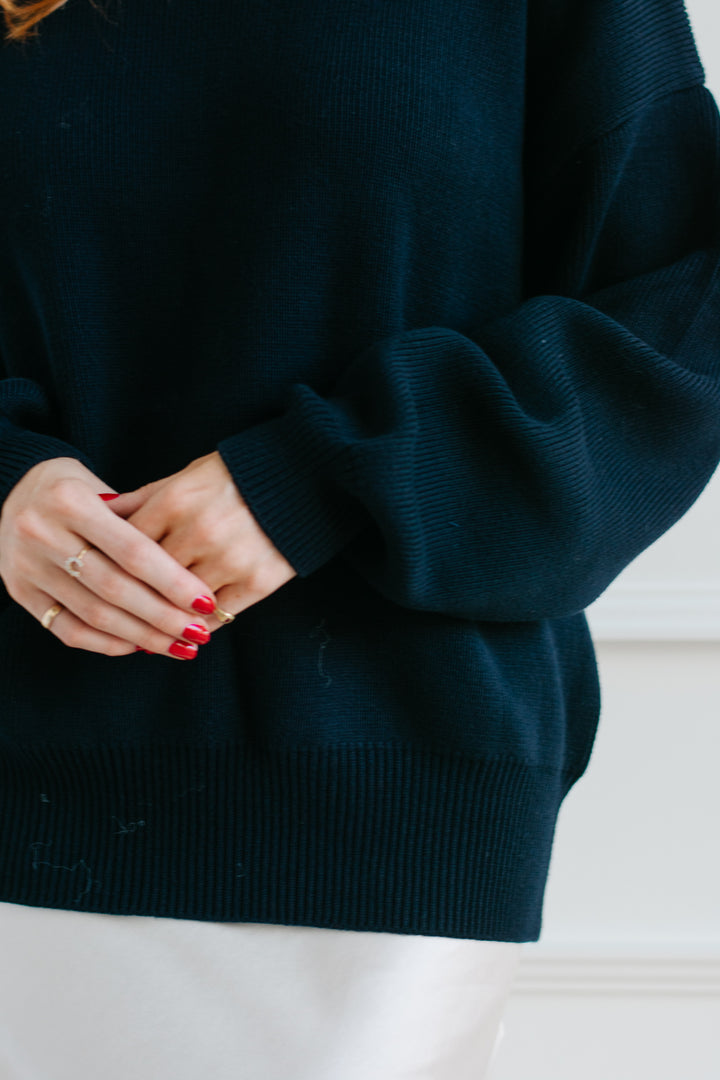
[
  {"x": 196, "y": 632},
  {"x": 204, "y": 604},
  {"x": 139, "y": 648},
  {"x": 182, "y": 650},
  {"x": 109, "y": 495}
]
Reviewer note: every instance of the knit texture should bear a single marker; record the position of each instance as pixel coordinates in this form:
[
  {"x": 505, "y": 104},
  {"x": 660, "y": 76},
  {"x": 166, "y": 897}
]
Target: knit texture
[{"x": 440, "y": 284}]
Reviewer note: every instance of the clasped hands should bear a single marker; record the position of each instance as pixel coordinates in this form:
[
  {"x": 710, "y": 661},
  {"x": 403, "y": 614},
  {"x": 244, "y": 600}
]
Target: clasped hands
[
  {"x": 199, "y": 517},
  {"x": 176, "y": 546}
]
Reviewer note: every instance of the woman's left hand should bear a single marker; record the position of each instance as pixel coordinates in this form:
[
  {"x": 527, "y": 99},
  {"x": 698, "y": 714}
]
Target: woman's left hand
[{"x": 199, "y": 516}]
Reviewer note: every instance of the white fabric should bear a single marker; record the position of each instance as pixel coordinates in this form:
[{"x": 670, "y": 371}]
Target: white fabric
[{"x": 127, "y": 997}]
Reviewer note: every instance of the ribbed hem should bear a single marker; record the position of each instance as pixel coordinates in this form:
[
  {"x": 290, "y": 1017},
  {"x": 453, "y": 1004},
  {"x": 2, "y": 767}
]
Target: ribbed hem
[
  {"x": 20, "y": 449},
  {"x": 378, "y": 838}
]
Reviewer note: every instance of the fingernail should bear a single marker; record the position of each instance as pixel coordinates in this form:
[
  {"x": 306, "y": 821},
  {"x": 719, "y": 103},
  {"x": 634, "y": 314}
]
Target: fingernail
[
  {"x": 204, "y": 604},
  {"x": 139, "y": 648},
  {"x": 196, "y": 632},
  {"x": 182, "y": 650},
  {"x": 109, "y": 495}
]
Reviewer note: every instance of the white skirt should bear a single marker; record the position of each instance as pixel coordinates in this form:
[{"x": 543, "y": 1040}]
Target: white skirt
[{"x": 120, "y": 996}]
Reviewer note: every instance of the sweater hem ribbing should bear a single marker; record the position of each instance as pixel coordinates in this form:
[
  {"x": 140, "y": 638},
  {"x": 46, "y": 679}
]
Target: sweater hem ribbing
[{"x": 376, "y": 838}]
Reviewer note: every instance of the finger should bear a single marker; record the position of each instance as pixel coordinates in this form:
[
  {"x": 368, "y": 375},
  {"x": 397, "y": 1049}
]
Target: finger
[
  {"x": 141, "y": 557},
  {"x": 71, "y": 630},
  {"x": 236, "y": 596},
  {"x": 232, "y": 596},
  {"x": 108, "y": 600}
]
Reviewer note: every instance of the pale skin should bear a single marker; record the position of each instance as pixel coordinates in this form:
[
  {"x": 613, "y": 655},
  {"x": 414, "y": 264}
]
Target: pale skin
[{"x": 152, "y": 552}]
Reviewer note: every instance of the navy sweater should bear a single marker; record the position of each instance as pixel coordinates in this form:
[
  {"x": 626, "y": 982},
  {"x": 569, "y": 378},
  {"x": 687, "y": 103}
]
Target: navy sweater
[{"x": 439, "y": 281}]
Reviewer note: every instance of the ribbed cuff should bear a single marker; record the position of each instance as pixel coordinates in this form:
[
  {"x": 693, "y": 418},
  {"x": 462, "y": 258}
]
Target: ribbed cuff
[{"x": 289, "y": 483}]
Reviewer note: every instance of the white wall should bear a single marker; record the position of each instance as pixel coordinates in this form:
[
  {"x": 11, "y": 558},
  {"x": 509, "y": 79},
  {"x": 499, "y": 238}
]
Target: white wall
[{"x": 624, "y": 983}]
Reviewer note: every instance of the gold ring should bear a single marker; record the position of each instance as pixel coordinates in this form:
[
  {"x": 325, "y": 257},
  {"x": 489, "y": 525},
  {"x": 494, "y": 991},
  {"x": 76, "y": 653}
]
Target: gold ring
[
  {"x": 50, "y": 615},
  {"x": 223, "y": 616}
]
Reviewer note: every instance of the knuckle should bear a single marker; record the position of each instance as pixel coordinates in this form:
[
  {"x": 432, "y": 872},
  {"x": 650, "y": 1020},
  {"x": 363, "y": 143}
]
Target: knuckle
[
  {"x": 259, "y": 581},
  {"x": 112, "y": 587},
  {"x": 115, "y": 648},
  {"x": 178, "y": 587},
  {"x": 135, "y": 557},
  {"x": 98, "y": 615},
  {"x": 205, "y": 531},
  {"x": 27, "y": 524},
  {"x": 64, "y": 492},
  {"x": 15, "y": 591},
  {"x": 175, "y": 591},
  {"x": 180, "y": 503},
  {"x": 71, "y": 635},
  {"x": 23, "y": 562}
]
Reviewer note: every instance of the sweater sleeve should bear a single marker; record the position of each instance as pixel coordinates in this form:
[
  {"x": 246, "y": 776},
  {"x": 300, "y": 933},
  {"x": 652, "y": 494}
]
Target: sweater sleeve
[
  {"x": 512, "y": 471},
  {"x": 26, "y": 436}
]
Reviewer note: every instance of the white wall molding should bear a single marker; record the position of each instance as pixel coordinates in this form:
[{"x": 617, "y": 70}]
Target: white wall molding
[
  {"x": 619, "y": 971},
  {"x": 657, "y": 611}
]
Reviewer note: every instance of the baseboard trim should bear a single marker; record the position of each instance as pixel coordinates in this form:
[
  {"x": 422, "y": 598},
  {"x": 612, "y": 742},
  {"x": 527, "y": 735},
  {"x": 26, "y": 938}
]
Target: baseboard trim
[
  {"x": 619, "y": 971},
  {"x": 657, "y": 611}
]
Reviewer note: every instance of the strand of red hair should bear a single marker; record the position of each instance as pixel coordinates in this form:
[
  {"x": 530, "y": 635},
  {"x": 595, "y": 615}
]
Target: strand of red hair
[{"x": 21, "y": 19}]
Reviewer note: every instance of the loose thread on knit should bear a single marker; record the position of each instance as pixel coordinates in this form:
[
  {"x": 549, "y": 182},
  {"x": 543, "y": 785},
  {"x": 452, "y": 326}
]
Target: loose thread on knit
[
  {"x": 131, "y": 827},
  {"x": 323, "y": 645},
  {"x": 59, "y": 866}
]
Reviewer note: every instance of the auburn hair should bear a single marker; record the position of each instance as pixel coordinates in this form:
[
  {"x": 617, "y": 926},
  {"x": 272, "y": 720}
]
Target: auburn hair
[{"x": 21, "y": 19}]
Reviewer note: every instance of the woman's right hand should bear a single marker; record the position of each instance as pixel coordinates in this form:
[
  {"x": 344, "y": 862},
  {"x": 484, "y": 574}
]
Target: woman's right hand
[{"x": 131, "y": 592}]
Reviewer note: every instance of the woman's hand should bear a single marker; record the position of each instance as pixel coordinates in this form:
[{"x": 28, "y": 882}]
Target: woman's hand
[
  {"x": 199, "y": 517},
  {"x": 130, "y": 592}
]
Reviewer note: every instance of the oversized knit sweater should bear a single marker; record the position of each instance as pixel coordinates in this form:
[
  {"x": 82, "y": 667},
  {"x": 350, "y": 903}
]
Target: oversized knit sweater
[{"x": 439, "y": 282}]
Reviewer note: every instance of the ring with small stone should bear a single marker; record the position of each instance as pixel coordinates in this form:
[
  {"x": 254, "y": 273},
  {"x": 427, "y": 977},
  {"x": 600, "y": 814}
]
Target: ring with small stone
[{"x": 74, "y": 563}]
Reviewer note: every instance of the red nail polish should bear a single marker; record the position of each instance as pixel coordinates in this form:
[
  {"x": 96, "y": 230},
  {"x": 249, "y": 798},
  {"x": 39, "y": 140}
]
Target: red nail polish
[
  {"x": 109, "y": 495},
  {"x": 139, "y": 648},
  {"x": 182, "y": 650},
  {"x": 196, "y": 632},
  {"x": 204, "y": 604}
]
